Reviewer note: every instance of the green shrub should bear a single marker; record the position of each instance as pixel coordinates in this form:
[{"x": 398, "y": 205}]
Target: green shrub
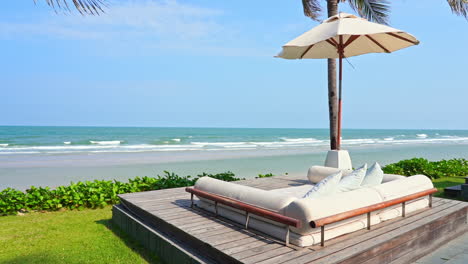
[
  {"x": 432, "y": 169},
  {"x": 92, "y": 194},
  {"x": 265, "y": 175}
]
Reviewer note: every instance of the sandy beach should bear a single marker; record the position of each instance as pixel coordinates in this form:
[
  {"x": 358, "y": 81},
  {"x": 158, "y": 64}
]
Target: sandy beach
[{"x": 22, "y": 171}]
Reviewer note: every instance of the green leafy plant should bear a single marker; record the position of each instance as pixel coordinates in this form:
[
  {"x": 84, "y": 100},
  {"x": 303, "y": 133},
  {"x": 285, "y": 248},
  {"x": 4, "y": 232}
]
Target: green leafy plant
[
  {"x": 432, "y": 169},
  {"x": 92, "y": 194},
  {"x": 265, "y": 175}
]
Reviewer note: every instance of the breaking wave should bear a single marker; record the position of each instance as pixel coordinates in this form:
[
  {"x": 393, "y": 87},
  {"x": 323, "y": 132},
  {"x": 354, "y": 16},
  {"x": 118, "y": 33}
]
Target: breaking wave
[
  {"x": 174, "y": 145},
  {"x": 110, "y": 142}
]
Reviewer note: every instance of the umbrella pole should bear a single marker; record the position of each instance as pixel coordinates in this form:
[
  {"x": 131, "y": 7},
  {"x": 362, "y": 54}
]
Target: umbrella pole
[{"x": 340, "y": 78}]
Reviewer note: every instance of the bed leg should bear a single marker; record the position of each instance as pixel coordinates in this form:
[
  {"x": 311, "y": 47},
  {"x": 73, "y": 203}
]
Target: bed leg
[
  {"x": 247, "y": 218},
  {"x": 368, "y": 220},
  {"x": 286, "y": 241},
  {"x": 430, "y": 200},
  {"x": 216, "y": 208},
  {"x": 191, "y": 200},
  {"x": 322, "y": 236},
  {"x": 403, "y": 205}
]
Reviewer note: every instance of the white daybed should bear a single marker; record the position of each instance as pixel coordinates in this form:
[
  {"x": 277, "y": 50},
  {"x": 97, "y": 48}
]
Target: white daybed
[{"x": 284, "y": 214}]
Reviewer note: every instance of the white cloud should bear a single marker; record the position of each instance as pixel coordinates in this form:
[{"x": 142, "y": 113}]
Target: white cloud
[
  {"x": 139, "y": 26},
  {"x": 155, "y": 18}
]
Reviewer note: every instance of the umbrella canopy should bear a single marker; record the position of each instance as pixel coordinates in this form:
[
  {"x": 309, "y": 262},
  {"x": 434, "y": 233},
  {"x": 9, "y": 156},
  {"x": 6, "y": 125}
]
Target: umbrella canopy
[
  {"x": 345, "y": 35},
  {"x": 358, "y": 35}
]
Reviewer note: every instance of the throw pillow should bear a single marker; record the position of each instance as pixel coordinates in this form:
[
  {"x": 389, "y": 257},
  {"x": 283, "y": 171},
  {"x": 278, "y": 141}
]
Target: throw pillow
[
  {"x": 325, "y": 187},
  {"x": 374, "y": 176},
  {"x": 353, "y": 180}
]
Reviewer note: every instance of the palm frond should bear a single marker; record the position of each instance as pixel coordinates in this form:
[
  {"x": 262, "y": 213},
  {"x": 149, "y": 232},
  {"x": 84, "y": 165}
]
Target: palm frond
[
  {"x": 373, "y": 10},
  {"x": 85, "y": 7},
  {"x": 459, "y": 7},
  {"x": 312, "y": 9}
]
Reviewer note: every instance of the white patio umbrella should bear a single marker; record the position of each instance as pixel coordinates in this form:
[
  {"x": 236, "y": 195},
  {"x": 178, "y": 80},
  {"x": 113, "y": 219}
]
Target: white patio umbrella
[{"x": 342, "y": 36}]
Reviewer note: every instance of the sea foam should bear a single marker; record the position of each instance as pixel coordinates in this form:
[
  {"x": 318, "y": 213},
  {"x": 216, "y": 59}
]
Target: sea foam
[
  {"x": 109, "y": 142},
  {"x": 300, "y": 140}
]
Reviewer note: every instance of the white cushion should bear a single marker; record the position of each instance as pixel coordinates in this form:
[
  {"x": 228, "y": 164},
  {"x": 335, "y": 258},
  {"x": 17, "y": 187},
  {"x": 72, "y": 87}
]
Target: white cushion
[
  {"x": 278, "y": 231},
  {"x": 254, "y": 196},
  {"x": 395, "y": 211},
  {"x": 402, "y": 187},
  {"x": 353, "y": 180},
  {"x": 374, "y": 176},
  {"x": 325, "y": 187},
  {"x": 391, "y": 177},
  {"x": 295, "y": 191},
  {"x": 318, "y": 173},
  {"x": 307, "y": 210}
]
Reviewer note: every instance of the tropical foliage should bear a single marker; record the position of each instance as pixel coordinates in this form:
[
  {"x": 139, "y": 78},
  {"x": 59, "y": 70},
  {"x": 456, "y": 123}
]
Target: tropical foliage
[
  {"x": 374, "y": 10},
  {"x": 432, "y": 169},
  {"x": 88, "y": 7},
  {"x": 92, "y": 194}
]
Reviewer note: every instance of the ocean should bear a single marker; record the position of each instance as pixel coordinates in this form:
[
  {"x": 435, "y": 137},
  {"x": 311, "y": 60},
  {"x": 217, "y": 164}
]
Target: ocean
[{"x": 50, "y": 156}]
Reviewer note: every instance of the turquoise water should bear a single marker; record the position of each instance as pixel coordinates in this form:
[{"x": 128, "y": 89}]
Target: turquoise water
[
  {"x": 50, "y": 140},
  {"x": 52, "y": 156}
]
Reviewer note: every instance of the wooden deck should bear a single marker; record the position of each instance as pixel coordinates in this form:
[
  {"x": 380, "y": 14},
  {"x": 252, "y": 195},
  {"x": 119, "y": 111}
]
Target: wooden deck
[{"x": 163, "y": 222}]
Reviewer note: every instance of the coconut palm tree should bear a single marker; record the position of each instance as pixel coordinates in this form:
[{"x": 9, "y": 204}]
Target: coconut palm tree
[
  {"x": 373, "y": 10},
  {"x": 85, "y": 7}
]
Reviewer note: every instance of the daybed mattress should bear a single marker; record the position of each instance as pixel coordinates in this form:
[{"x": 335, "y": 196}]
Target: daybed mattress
[{"x": 288, "y": 201}]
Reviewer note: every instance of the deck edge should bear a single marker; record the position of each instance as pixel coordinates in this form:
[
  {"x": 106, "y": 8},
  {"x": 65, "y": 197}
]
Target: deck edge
[{"x": 151, "y": 239}]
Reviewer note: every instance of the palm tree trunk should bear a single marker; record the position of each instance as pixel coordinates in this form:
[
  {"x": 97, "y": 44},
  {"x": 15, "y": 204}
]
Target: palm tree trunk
[{"x": 332, "y": 7}]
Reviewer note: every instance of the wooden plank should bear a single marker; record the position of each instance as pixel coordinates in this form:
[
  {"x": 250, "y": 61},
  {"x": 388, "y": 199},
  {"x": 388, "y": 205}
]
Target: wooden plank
[
  {"x": 225, "y": 232},
  {"x": 152, "y": 194},
  {"x": 394, "y": 223},
  {"x": 256, "y": 250},
  {"x": 204, "y": 229},
  {"x": 175, "y": 213},
  {"x": 247, "y": 246},
  {"x": 157, "y": 243},
  {"x": 217, "y": 231},
  {"x": 243, "y": 244},
  {"x": 190, "y": 221},
  {"x": 164, "y": 210},
  {"x": 207, "y": 226},
  {"x": 266, "y": 255},
  {"x": 160, "y": 207},
  {"x": 227, "y": 237},
  {"x": 424, "y": 242},
  {"x": 367, "y": 249},
  {"x": 162, "y": 202},
  {"x": 150, "y": 200},
  {"x": 410, "y": 257},
  {"x": 366, "y": 236},
  {"x": 172, "y": 213},
  {"x": 285, "y": 257},
  {"x": 182, "y": 238}
]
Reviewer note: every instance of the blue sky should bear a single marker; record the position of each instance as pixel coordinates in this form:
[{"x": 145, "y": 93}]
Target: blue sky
[{"x": 210, "y": 64}]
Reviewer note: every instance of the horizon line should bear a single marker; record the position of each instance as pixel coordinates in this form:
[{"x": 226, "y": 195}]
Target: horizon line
[{"x": 229, "y": 127}]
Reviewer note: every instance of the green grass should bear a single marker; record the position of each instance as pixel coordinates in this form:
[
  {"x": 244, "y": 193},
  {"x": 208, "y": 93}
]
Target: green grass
[
  {"x": 86, "y": 236},
  {"x": 443, "y": 182}
]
